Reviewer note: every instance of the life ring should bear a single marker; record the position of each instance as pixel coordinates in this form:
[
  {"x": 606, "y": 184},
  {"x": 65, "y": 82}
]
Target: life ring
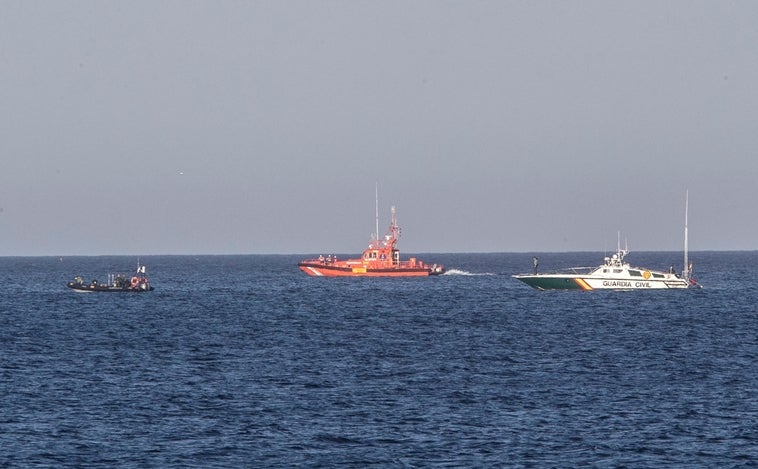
[{"x": 135, "y": 281}]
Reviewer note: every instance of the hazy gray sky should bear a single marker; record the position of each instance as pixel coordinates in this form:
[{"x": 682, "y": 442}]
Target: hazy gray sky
[{"x": 182, "y": 127}]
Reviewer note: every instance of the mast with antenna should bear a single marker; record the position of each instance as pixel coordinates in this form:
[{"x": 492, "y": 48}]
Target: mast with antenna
[
  {"x": 618, "y": 242},
  {"x": 686, "y": 270},
  {"x": 376, "y": 200}
]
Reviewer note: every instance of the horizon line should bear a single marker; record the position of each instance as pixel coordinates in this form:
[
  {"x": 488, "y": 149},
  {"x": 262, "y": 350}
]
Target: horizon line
[{"x": 358, "y": 255}]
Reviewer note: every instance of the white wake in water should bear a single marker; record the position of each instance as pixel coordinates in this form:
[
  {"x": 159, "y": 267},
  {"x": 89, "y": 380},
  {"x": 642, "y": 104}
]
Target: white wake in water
[{"x": 464, "y": 272}]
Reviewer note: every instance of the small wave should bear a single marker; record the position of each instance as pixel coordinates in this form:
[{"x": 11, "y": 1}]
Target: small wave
[{"x": 465, "y": 272}]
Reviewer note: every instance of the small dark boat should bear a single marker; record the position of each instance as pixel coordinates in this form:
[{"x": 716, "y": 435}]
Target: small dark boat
[{"x": 116, "y": 283}]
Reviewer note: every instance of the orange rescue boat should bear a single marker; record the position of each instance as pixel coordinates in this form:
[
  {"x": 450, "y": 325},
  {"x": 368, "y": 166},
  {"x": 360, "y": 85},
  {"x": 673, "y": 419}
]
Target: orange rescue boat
[{"x": 380, "y": 259}]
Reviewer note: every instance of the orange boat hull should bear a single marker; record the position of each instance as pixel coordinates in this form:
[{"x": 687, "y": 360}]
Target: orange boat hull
[
  {"x": 380, "y": 259},
  {"x": 357, "y": 269}
]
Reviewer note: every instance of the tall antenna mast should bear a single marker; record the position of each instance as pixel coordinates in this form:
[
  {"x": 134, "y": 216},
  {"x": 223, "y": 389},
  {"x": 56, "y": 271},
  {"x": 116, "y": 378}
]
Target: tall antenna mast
[
  {"x": 618, "y": 241},
  {"x": 686, "y": 270},
  {"x": 377, "y": 209}
]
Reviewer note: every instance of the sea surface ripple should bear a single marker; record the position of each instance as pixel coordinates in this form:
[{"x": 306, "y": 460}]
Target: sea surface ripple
[{"x": 243, "y": 361}]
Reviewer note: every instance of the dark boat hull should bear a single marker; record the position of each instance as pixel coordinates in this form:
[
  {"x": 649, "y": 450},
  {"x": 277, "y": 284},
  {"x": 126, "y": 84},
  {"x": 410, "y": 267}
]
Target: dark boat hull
[{"x": 107, "y": 288}]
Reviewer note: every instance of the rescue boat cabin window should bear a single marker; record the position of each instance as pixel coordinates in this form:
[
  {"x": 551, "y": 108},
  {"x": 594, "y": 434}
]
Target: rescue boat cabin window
[
  {"x": 635, "y": 273},
  {"x": 371, "y": 255}
]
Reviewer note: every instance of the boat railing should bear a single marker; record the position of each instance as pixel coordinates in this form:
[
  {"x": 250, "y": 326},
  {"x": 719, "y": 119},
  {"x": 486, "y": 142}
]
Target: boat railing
[
  {"x": 576, "y": 270},
  {"x": 320, "y": 260},
  {"x": 409, "y": 264}
]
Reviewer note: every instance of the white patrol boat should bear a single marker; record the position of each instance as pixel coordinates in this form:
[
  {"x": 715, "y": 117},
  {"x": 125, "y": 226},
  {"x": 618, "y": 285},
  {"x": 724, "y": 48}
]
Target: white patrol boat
[{"x": 614, "y": 274}]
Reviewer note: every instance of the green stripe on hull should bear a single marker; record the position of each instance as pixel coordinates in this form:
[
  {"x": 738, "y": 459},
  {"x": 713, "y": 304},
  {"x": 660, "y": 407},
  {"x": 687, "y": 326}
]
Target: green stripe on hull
[{"x": 551, "y": 283}]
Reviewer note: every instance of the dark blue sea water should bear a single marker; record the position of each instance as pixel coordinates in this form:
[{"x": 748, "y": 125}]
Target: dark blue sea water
[{"x": 244, "y": 361}]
